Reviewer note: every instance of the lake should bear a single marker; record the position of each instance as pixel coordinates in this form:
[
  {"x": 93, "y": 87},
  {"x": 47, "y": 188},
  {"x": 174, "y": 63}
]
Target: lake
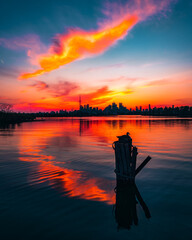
[{"x": 57, "y": 178}]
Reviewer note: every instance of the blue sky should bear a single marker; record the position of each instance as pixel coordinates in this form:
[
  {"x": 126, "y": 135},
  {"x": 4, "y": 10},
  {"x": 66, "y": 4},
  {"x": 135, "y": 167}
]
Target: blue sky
[{"x": 157, "y": 48}]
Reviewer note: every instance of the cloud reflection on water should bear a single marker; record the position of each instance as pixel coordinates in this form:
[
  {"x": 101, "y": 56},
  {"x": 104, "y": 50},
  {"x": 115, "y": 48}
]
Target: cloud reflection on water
[{"x": 75, "y": 155}]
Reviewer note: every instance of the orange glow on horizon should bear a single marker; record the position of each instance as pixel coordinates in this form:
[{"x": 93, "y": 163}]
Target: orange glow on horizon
[{"x": 79, "y": 44}]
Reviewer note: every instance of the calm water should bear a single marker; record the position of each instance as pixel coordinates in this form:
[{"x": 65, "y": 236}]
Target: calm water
[{"x": 57, "y": 178}]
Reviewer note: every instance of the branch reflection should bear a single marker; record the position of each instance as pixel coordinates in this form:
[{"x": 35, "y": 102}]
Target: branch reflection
[{"x": 127, "y": 198}]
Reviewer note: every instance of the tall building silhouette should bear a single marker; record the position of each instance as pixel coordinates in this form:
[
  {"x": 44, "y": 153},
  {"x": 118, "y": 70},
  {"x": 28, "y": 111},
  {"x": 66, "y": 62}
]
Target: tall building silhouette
[
  {"x": 79, "y": 102},
  {"x": 149, "y": 107}
]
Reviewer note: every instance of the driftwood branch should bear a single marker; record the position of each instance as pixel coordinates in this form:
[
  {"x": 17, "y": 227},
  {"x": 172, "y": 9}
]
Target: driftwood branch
[{"x": 142, "y": 165}]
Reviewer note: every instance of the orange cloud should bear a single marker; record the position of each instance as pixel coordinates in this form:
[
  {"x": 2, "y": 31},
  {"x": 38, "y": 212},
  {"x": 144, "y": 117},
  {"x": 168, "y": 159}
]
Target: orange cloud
[
  {"x": 100, "y": 97},
  {"x": 79, "y": 44}
]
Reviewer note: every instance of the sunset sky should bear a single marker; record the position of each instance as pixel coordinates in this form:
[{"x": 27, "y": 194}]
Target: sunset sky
[{"x": 135, "y": 52}]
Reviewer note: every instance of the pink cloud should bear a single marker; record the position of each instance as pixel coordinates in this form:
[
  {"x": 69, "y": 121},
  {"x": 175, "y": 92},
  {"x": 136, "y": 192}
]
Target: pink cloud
[
  {"x": 158, "y": 82},
  {"x": 63, "y": 88},
  {"x": 59, "y": 89},
  {"x": 30, "y": 42},
  {"x": 100, "y": 68},
  {"x": 40, "y": 85},
  {"x": 115, "y": 11}
]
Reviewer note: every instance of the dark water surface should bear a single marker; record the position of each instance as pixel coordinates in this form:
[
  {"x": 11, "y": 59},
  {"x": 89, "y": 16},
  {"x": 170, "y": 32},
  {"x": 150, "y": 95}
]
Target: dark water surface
[{"x": 57, "y": 178}]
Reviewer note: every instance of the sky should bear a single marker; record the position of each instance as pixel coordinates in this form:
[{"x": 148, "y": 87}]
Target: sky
[{"x": 136, "y": 52}]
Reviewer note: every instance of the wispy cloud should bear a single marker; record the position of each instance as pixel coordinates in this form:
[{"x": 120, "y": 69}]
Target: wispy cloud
[
  {"x": 23, "y": 42},
  {"x": 100, "y": 68},
  {"x": 59, "y": 89},
  {"x": 39, "y": 85},
  {"x": 125, "y": 79},
  {"x": 151, "y": 64},
  {"x": 8, "y": 72},
  {"x": 165, "y": 81},
  {"x": 63, "y": 88},
  {"x": 9, "y": 100},
  {"x": 183, "y": 101},
  {"x": 158, "y": 83},
  {"x": 30, "y": 42}
]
